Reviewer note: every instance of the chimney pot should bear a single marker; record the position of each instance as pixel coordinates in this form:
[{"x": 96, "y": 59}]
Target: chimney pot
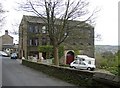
[{"x": 6, "y": 32}]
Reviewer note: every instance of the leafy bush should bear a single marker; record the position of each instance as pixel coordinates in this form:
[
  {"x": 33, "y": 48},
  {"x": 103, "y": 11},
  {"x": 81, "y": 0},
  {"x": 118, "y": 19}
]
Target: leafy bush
[
  {"x": 61, "y": 51},
  {"x": 45, "y": 48},
  {"x": 109, "y": 63},
  {"x": 49, "y": 51},
  {"x": 113, "y": 70},
  {"x": 118, "y": 53},
  {"x": 107, "y": 54},
  {"x": 77, "y": 52},
  {"x": 103, "y": 63}
]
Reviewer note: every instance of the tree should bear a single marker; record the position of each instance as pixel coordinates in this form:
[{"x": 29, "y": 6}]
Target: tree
[
  {"x": 108, "y": 55},
  {"x": 1, "y": 14},
  {"x": 59, "y": 16},
  {"x": 118, "y": 54}
]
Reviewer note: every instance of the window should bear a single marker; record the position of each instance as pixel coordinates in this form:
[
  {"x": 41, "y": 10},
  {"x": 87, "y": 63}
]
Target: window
[
  {"x": 82, "y": 63},
  {"x": 33, "y": 28},
  {"x": 30, "y": 29},
  {"x": 44, "y": 41},
  {"x": 36, "y": 29},
  {"x": 80, "y": 59},
  {"x": 89, "y": 33},
  {"x": 76, "y": 62},
  {"x": 34, "y": 42},
  {"x": 43, "y": 29},
  {"x": 89, "y": 62},
  {"x": 30, "y": 42}
]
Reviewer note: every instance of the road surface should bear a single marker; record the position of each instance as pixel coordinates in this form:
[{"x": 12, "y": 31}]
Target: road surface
[
  {"x": 0, "y": 71},
  {"x": 15, "y": 74}
]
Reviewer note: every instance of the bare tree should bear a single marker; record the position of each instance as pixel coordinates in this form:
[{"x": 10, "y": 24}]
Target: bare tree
[
  {"x": 1, "y": 15},
  {"x": 98, "y": 37},
  {"x": 59, "y": 16}
]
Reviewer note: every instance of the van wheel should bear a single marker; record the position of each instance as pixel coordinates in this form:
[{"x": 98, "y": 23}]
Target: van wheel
[
  {"x": 89, "y": 68},
  {"x": 74, "y": 67}
]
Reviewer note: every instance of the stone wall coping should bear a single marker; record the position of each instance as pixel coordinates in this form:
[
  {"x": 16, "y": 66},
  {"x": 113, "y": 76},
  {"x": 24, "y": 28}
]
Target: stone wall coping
[{"x": 107, "y": 79}]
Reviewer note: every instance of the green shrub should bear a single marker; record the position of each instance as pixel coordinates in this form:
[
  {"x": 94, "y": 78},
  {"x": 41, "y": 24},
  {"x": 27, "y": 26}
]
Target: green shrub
[
  {"x": 111, "y": 64},
  {"x": 49, "y": 51},
  {"x": 46, "y": 48},
  {"x": 118, "y": 53},
  {"x": 103, "y": 63},
  {"x": 77, "y": 52},
  {"x": 61, "y": 51},
  {"x": 113, "y": 70}
]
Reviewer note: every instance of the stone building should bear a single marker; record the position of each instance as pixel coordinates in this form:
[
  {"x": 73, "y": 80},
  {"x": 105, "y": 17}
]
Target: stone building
[
  {"x": 32, "y": 34},
  {"x": 6, "y": 42}
]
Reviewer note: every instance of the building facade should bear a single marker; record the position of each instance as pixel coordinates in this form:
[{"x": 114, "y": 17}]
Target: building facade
[
  {"x": 6, "y": 42},
  {"x": 32, "y": 33}
]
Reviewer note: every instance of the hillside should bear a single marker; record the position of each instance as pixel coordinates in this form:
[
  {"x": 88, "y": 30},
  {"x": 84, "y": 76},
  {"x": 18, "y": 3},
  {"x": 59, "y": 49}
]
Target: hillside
[{"x": 104, "y": 48}]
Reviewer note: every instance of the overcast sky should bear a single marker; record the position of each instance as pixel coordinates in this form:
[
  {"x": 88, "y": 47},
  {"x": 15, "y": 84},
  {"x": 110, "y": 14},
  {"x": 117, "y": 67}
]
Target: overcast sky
[{"x": 106, "y": 22}]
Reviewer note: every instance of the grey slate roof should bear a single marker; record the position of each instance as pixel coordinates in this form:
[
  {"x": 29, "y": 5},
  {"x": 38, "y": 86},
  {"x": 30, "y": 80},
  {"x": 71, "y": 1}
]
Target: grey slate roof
[
  {"x": 36, "y": 19},
  {"x": 33, "y": 19}
]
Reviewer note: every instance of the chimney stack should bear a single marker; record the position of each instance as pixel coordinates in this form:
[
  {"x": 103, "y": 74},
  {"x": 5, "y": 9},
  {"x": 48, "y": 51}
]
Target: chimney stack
[{"x": 6, "y": 32}]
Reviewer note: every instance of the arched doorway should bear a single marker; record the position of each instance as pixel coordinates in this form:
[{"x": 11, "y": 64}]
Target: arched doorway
[{"x": 69, "y": 57}]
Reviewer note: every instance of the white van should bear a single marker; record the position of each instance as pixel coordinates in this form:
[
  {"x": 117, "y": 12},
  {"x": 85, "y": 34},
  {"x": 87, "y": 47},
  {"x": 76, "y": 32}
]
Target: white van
[{"x": 83, "y": 62}]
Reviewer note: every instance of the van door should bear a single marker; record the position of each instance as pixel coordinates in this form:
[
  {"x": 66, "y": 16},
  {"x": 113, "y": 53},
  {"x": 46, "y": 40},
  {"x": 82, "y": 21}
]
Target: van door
[
  {"x": 82, "y": 65},
  {"x": 75, "y": 64}
]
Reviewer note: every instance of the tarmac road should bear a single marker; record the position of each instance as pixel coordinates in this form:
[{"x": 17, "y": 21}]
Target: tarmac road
[
  {"x": 15, "y": 74},
  {"x": 0, "y": 71}
]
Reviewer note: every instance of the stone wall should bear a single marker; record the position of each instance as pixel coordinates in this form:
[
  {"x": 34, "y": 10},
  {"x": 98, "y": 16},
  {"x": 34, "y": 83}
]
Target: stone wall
[
  {"x": 87, "y": 79},
  {"x": 107, "y": 79}
]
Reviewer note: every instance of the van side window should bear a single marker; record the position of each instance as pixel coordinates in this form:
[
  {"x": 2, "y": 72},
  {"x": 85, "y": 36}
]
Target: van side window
[
  {"x": 83, "y": 63},
  {"x": 76, "y": 62},
  {"x": 81, "y": 59},
  {"x": 89, "y": 62}
]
